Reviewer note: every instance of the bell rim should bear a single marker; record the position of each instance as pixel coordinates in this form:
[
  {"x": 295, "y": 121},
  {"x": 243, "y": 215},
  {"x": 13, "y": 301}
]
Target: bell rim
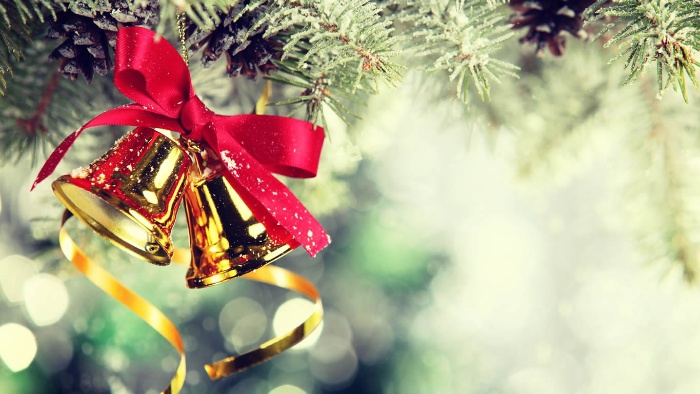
[
  {"x": 234, "y": 271},
  {"x": 160, "y": 237}
]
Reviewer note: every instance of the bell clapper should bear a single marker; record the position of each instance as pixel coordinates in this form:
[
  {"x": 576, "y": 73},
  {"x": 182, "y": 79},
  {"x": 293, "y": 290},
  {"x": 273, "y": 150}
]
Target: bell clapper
[{"x": 152, "y": 246}]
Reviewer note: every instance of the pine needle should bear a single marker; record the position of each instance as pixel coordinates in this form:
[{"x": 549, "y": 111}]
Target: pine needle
[
  {"x": 666, "y": 32},
  {"x": 459, "y": 37}
]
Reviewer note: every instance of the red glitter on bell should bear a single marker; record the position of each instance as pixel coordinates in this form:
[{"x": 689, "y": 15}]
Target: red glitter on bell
[{"x": 131, "y": 194}]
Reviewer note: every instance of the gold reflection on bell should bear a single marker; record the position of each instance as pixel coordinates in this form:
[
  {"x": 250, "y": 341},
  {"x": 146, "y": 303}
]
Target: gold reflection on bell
[
  {"x": 130, "y": 195},
  {"x": 226, "y": 239}
]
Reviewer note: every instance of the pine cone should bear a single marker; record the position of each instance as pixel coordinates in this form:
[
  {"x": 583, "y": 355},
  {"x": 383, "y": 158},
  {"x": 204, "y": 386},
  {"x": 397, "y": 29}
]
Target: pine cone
[
  {"x": 248, "y": 53},
  {"x": 89, "y": 33},
  {"x": 547, "y": 20}
]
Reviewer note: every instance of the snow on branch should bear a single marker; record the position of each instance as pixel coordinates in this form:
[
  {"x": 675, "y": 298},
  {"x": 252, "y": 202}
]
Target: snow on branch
[
  {"x": 460, "y": 37},
  {"x": 665, "y": 32}
]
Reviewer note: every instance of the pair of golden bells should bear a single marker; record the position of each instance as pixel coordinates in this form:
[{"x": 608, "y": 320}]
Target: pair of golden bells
[{"x": 131, "y": 195}]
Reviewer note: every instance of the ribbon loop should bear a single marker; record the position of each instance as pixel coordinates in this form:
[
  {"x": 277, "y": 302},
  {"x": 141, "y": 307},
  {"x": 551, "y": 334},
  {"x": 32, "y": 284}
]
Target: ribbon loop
[{"x": 151, "y": 72}]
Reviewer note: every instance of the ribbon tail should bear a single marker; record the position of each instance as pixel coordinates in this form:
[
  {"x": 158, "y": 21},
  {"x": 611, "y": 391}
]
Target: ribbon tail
[
  {"x": 275, "y": 206},
  {"x": 127, "y": 115},
  {"x": 50, "y": 166}
]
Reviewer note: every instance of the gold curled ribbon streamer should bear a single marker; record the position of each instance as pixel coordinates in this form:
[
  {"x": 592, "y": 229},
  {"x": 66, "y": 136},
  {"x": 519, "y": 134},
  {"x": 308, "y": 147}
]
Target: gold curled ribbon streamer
[
  {"x": 142, "y": 308},
  {"x": 276, "y": 276},
  {"x": 269, "y": 274}
]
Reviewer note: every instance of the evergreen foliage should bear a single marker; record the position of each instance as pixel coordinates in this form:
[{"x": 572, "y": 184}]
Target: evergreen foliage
[
  {"x": 40, "y": 108},
  {"x": 18, "y": 19},
  {"x": 333, "y": 48},
  {"x": 459, "y": 37},
  {"x": 662, "y": 31},
  {"x": 666, "y": 151}
]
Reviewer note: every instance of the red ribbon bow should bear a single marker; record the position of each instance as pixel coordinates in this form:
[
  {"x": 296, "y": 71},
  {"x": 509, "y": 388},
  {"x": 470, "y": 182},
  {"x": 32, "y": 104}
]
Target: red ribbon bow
[{"x": 151, "y": 72}]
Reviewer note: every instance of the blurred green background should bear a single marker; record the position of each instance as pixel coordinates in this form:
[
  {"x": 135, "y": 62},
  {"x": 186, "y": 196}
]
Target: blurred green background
[{"x": 447, "y": 274}]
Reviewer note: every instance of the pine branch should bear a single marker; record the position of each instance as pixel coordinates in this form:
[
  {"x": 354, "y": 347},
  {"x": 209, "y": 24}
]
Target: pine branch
[
  {"x": 330, "y": 50},
  {"x": 348, "y": 31},
  {"x": 665, "y": 32},
  {"x": 316, "y": 94},
  {"x": 39, "y": 108},
  {"x": 205, "y": 14},
  {"x": 665, "y": 199},
  {"x": 35, "y": 123},
  {"x": 18, "y": 20},
  {"x": 460, "y": 37}
]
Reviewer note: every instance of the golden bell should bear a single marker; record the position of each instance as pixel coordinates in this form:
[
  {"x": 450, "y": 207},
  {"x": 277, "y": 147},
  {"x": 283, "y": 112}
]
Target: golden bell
[
  {"x": 226, "y": 239},
  {"x": 130, "y": 195}
]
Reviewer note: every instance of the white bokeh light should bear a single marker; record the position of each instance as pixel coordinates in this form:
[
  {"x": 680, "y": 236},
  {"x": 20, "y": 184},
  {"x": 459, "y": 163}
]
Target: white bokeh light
[
  {"x": 291, "y": 314},
  {"x": 334, "y": 362},
  {"x": 17, "y": 346},
  {"x": 242, "y": 322},
  {"x": 46, "y": 299},
  {"x": 16, "y": 269},
  {"x": 287, "y": 389}
]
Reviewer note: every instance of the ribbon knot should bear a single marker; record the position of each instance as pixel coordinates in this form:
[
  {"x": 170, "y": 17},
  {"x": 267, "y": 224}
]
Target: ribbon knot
[
  {"x": 196, "y": 119},
  {"x": 151, "y": 72}
]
